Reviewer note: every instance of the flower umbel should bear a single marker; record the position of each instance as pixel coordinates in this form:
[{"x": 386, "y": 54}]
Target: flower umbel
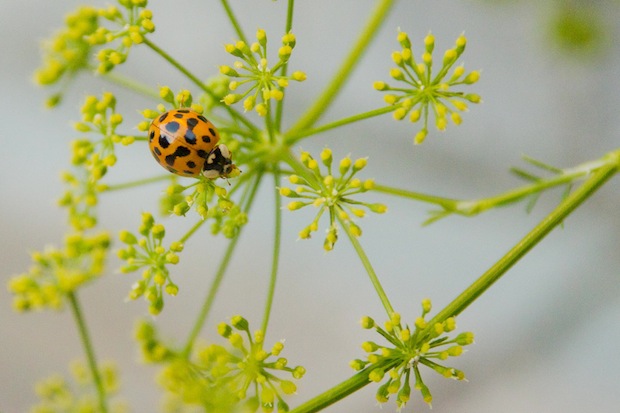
[
  {"x": 149, "y": 252},
  {"x": 224, "y": 379},
  {"x": 264, "y": 83},
  {"x": 91, "y": 158},
  {"x": 408, "y": 349},
  {"x": 60, "y": 395},
  {"x": 424, "y": 93},
  {"x": 331, "y": 194},
  {"x": 57, "y": 272},
  {"x": 70, "y": 50}
]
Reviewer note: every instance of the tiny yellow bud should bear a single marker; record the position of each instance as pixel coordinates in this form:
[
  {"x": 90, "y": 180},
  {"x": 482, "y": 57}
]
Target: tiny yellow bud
[
  {"x": 360, "y": 164},
  {"x": 399, "y": 113},
  {"x": 427, "y": 58},
  {"x": 299, "y": 76},
  {"x": 420, "y": 136},
  {"x": 295, "y": 205},
  {"x": 379, "y": 85},
  {"x": 390, "y": 99},
  {"x": 397, "y": 74},
  {"x": 276, "y": 94},
  {"x": 456, "y": 118},
  {"x": 261, "y": 109},
  {"x": 472, "y": 77}
]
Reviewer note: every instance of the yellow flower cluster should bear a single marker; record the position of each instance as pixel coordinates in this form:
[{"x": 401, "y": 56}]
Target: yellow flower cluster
[
  {"x": 409, "y": 348},
  {"x": 263, "y": 83},
  {"x": 58, "y": 271}
]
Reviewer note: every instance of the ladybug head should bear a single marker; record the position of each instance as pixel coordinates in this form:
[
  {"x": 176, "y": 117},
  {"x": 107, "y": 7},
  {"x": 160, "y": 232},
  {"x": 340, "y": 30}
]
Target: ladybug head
[{"x": 219, "y": 164}]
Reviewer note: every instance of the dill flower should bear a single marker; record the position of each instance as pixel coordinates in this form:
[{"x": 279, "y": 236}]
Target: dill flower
[
  {"x": 262, "y": 82},
  {"x": 149, "y": 254},
  {"x": 331, "y": 194},
  {"x": 408, "y": 348},
  {"x": 59, "y": 271},
  {"x": 422, "y": 93}
]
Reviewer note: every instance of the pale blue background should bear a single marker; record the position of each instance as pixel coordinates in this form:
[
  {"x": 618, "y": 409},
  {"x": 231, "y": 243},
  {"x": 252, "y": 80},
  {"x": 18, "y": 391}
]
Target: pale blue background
[{"x": 546, "y": 334}]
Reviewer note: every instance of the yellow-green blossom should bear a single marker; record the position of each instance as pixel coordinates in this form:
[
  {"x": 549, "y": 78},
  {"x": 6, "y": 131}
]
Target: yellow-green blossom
[
  {"x": 424, "y": 94},
  {"x": 59, "y": 395},
  {"x": 410, "y": 347},
  {"x": 87, "y": 31},
  {"x": 58, "y": 271},
  {"x": 331, "y": 194},
  {"x": 149, "y": 254},
  {"x": 262, "y": 83}
]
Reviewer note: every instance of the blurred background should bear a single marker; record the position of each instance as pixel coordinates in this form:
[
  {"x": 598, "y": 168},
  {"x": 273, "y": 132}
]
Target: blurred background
[{"x": 546, "y": 333}]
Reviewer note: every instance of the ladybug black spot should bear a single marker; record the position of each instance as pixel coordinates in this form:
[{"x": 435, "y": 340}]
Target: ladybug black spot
[
  {"x": 156, "y": 151},
  {"x": 206, "y": 139},
  {"x": 178, "y": 115},
  {"x": 202, "y": 153},
  {"x": 183, "y": 110},
  {"x": 192, "y": 122},
  {"x": 202, "y": 118},
  {"x": 163, "y": 117},
  {"x": 213, "y": 132},
  {"x": 151, "y": 135},
  {"x": 190, "y": 137},
  {"x": 180, "y": 152},
  {"x": 191, "y": 164},
  {"x": 163, "y": 141},
  {"x": 172, "y": 127}
]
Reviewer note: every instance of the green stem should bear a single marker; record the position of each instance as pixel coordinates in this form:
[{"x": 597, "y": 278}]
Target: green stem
[
  {"x": 219, "y": 276},
  {"x": 377, "y": 16},
  {"x": 276, "y": 251},
  {"x": 296, "y": 135},
  {"x": 234, "y": 21},
  {"x": 474, "y": 207},
  {"x": 131, "y": 84},
  {"x": 283, "y": 71},
  {"x": 139, "y": 182},
  {"x": 418, "y": 196},
  {"x": 178, "y": 66},
  {"x": 368, "y": 266},
  {"x": 88, "y": 348},
  {"x": 555, "y": 218},
  {"x": 192, "y": 230},
  {"x": 342, "y": 390}
]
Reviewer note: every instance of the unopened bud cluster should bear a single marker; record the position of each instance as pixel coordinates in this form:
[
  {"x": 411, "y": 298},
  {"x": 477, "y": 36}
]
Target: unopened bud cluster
[
  {"x": 262, "y": 83},
  {"x": 422, "y": 93},
  {"x": 147, "y": 252},
  {"x": 331, "y": 194},
  {"x": 397, "y": 363},
  {"x": 92, "y": 155},
  {"x": 58, "y": 271},
  {"x": 57, "y": 394},
  {"x": 71, "y": 50}
]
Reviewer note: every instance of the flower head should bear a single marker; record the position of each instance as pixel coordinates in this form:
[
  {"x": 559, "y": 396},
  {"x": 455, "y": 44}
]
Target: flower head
[
  {"x": 79, "y": 394},
  {"x": 263, "y": 83},
  {"x": 423, "y": 93},
  {"x": 224, "y": 378},
  {"x": 409, "y": 347},
  {"x": 148, "y": 253},
  {"x": 87, "y": 29},
  {"x": 92, "y": 155},
  {"x": 57, "y": 272},
  {"x": 331, "y": 194}
]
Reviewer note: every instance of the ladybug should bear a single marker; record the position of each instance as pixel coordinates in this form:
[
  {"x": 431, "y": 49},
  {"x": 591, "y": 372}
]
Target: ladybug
[{"x": 186, "y": 143}]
